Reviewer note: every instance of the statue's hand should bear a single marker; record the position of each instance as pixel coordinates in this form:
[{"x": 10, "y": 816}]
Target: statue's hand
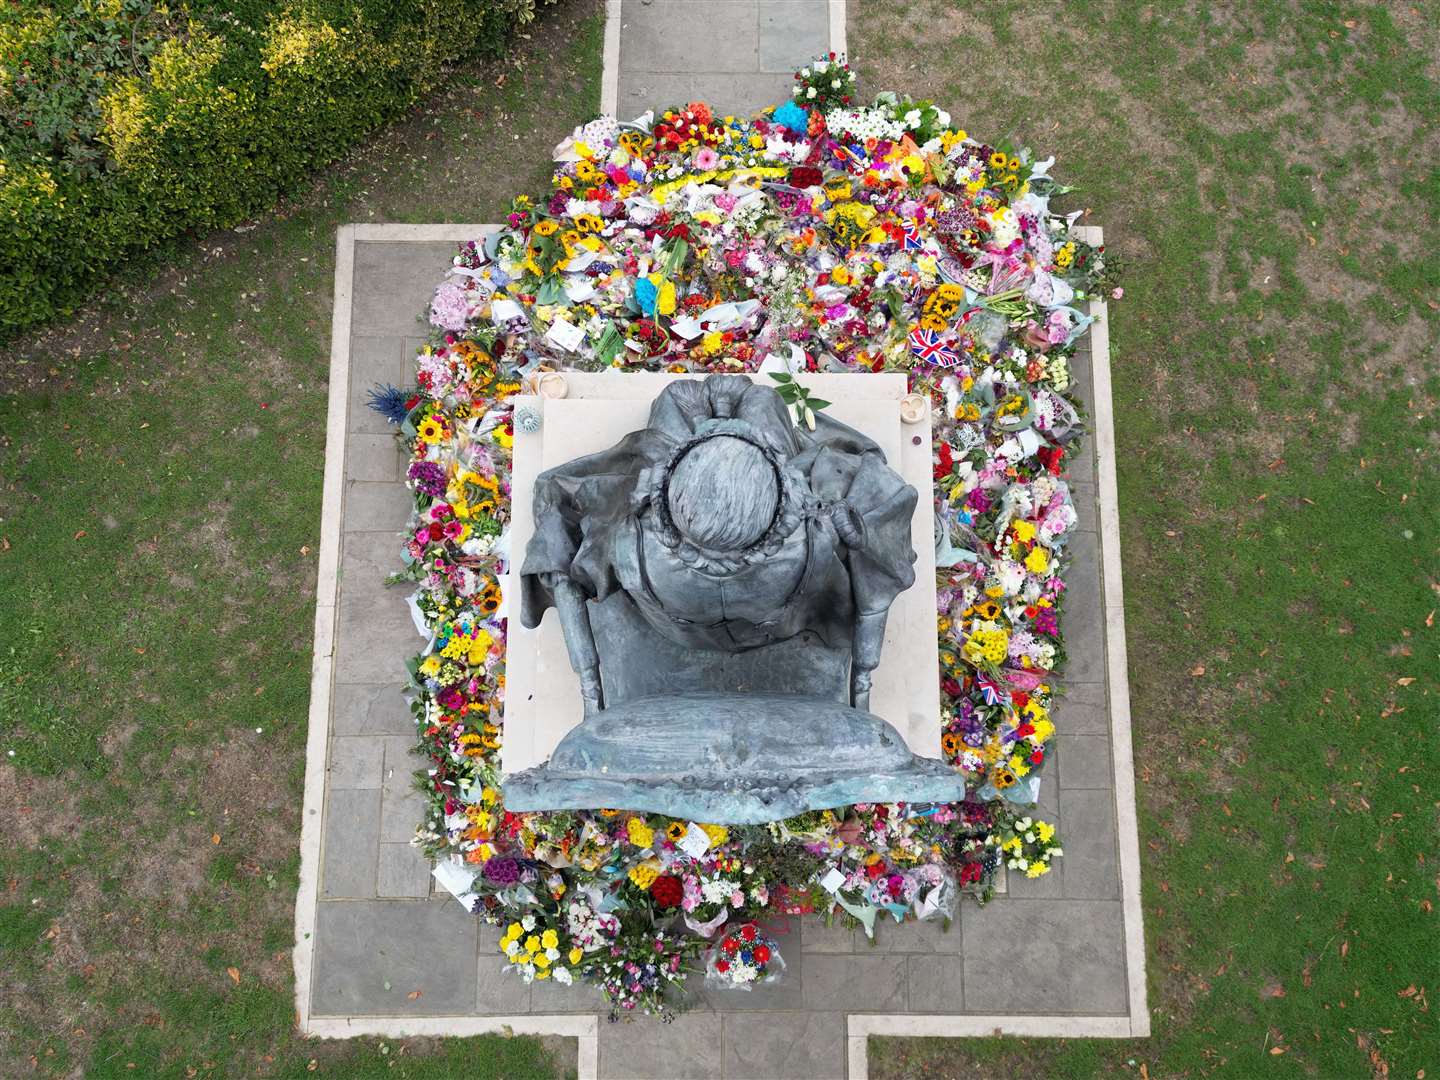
[{"x": 860, "y": 688}]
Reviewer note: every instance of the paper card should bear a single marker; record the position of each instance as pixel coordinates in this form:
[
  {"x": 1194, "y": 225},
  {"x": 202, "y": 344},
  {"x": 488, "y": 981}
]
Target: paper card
[
  {"x": 1029, "y": 442},
  {"x": 832, "y": 881},
  {"x": 502, "y": 311},
  {"x": 580, "y": 262},
  {"x": 565, "y": 334},
  {"x": 454, "y": 878},
  {"x": 695, "y": 842},
  {"x": 687, "y": 327},
  {"x": 579, "y": 291}
]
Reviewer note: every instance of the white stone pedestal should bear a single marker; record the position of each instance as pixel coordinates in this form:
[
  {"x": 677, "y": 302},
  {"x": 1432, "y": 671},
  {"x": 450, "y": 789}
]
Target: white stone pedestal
[{"x": 542, "y": 692}]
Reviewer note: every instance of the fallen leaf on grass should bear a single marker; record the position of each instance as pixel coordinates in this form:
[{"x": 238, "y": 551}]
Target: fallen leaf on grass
[
  {"x": 215, "y": 838},
  {"x": 234, "y": 974},
  {"x": 1277, "y": 1050},
  {"x": 1198, "y": 670}
]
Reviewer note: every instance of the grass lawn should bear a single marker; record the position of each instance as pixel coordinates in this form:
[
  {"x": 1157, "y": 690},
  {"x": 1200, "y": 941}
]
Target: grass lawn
[
  {"x": 1268, "y": 173},
  {"x": 160, "y": 473}
]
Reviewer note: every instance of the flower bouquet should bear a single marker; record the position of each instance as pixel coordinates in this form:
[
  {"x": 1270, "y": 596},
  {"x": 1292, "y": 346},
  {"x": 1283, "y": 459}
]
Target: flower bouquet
[{"x": 743, "y": 959}]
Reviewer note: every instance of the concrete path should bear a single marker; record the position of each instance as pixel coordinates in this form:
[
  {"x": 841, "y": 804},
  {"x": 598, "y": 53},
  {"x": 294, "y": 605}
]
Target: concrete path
[
  {"x": 1061, "y": 955},
  {"x": 738, "y": 55}
]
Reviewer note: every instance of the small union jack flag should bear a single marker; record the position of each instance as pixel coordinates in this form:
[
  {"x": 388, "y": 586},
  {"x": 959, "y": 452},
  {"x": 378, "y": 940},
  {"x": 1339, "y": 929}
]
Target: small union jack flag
[
  {"x": 912, "y": 239},
  {"x": 991, "y": 692},
  {"x": 926, "y": 345}
]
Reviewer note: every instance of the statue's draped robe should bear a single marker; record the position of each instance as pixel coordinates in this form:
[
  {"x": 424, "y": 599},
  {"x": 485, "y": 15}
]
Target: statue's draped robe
[{"x": 593, "y": 526}]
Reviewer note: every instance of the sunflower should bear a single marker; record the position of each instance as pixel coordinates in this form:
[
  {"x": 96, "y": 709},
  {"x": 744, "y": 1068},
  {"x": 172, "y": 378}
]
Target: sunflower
[
  {"x": 548, "y": 227},
  {"x": 676, "y": 830},
  {"x": 431, "y": 430},
  {"x": 950, "y": 743},
  {"x": 1003, "y": 778},
  {"x": 489, "y": 600},
  {"x": 999, "y": 162}
]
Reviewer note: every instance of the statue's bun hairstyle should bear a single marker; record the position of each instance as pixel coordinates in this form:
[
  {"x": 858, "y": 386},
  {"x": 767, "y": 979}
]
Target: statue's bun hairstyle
[{"x": 723, "y": 494}]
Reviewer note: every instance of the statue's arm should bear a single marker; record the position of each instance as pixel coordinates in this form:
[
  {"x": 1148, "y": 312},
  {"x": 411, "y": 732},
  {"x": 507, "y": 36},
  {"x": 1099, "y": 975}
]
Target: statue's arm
[{"x": 579, "y": 639}]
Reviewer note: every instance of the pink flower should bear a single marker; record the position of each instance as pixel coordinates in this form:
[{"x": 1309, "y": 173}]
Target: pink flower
[
  {"x": 737, "y": 899},
  {"x": 1118, "y": 293},
  {"x": 706, "y": 158}
]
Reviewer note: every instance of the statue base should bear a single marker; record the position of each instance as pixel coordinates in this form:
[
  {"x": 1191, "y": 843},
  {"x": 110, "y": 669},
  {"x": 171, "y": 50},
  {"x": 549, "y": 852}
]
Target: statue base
[{"x": 738, "y": 759}]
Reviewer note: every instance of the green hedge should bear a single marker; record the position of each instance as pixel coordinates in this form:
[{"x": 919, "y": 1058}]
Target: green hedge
[{"x": 124, "y": 122}]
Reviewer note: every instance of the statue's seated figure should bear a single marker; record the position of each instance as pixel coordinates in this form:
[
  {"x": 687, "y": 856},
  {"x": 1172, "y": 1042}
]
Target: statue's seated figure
[{"x": 723, "y": 579}]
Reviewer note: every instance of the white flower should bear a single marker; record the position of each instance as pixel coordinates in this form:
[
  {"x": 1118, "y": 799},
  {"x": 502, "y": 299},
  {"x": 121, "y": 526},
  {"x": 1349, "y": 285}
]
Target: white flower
[
  {"x": 821, "y": 67},
  {"x": 563, "y": 976},
  {"x": 834, "y": 84},
  {"x": 810, "y": 93},
  {"x": 912, "y": 118}
]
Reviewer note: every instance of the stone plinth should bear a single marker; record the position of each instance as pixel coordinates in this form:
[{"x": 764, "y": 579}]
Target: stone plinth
[{"x": 542, "y": 691}]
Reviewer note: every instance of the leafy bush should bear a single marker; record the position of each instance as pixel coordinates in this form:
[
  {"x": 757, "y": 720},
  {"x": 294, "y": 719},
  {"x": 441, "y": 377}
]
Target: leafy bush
[{"x": 126, "y": 122}]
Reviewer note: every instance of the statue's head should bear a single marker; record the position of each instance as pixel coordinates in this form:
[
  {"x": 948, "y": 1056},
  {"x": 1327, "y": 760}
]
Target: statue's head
[{"x": 723, "y": 494}]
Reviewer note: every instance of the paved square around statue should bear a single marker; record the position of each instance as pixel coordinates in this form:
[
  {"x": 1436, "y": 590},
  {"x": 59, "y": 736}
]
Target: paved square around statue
[{"x": 379, "y": 932}]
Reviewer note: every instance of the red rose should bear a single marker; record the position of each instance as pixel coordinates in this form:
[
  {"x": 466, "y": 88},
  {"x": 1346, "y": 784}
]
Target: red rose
[
  {"x": 762, "y": 954},
  {"x": 667, "y": 891},
  {"x": 722, "y": 966},
  {"x": 748, "y": 932}
]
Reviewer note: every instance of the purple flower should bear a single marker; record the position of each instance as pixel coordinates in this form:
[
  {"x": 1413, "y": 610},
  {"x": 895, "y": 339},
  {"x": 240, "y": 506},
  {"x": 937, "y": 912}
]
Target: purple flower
[
  {"x": 429, "y": 478},
  {"x": 502, "y": 871}
]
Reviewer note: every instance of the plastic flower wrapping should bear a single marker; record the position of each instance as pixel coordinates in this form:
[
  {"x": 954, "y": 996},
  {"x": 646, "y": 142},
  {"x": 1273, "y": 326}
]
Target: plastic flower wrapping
[{"x": 827, "y": 238}]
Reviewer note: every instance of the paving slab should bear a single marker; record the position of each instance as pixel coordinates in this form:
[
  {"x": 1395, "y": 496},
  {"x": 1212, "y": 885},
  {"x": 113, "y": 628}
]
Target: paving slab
[
  {"x": 747, "y": 61},
  {"x": 374, "y": 955},
  {"x": 782, "y": 1045},
  {"x": 1044, "y": 956},
  {"x": 687, "y": 1048}
]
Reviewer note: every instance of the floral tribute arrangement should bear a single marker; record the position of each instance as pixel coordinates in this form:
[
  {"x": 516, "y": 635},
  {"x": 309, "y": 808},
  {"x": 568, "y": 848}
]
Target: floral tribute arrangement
[
  {"x": 743, "y": 959},
  {"x": 818, "y": 235}
]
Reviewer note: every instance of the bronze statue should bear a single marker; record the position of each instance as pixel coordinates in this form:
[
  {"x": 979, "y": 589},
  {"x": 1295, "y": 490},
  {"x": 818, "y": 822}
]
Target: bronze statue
[{"x": 724, "y": 569}]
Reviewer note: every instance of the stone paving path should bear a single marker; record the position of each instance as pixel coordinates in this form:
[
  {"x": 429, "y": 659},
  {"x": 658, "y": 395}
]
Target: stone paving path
[
  {"x": 1052, "y": 956},
  {"x": 738, "y": 55}
]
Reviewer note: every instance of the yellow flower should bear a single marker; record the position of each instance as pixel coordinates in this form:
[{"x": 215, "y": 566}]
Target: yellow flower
[
  {"x": 640, "y": 834},
  {"x": 431, "y": 667},
  {"x": 718, "y": 834},
  {"x": 532, "y": 943},
  {"x": 665, "y": 302},
  {"x": 541, "y": 961},
  {"x": 549, "y": 940},
  {"x": 712, "y": 342},
  {"x": 512, "y": 933},
  {"x": 548, "y": 227},
  {"x": 676, "y": 830},
  {"x": 1037, "y": 562},
  {"x": 643, "y": 876},
  {"x": 1037, "y": 869},
  {"x": 575, "y": 955},
  {"x": 840, "y": 276},
  {"x": 1045, "y": 831},
  {"x": 1024, "y": 530},
  {"x": 1043, "y": 730},
  {"x": 431, "y": 430}
]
